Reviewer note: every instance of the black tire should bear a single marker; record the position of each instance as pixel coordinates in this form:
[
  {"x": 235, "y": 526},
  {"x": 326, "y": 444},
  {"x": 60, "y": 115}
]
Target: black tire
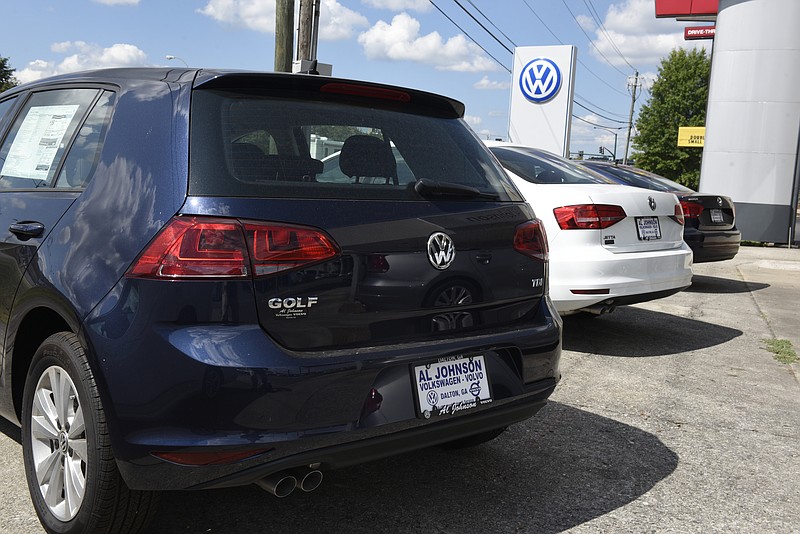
[
  {"x": 50, "y": 419},
  {"x": 472, "y": 441}
]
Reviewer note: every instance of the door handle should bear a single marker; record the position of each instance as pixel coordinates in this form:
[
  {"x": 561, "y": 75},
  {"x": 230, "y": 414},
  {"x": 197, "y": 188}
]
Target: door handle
[{"x": 27, "y": 230}]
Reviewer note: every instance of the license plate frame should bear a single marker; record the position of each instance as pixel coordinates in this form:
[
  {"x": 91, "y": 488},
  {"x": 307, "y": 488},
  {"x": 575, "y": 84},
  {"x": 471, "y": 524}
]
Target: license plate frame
[
  {"x": 648, "y": 228},
  {"x": 716, "y": 216},
  {"x": 450, "y": 385}
]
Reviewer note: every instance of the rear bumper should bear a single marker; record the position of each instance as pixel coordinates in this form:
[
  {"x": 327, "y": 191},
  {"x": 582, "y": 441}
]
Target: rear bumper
[
  {"x": 622, "y": 278},
  {"x": 188, "y": 389},
  {"x": 340, "y": 449},
  {"x": 713, "y": 245}
]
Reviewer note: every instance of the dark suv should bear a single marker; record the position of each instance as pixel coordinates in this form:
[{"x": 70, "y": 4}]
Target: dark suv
[{"x": 188, "y": 301}]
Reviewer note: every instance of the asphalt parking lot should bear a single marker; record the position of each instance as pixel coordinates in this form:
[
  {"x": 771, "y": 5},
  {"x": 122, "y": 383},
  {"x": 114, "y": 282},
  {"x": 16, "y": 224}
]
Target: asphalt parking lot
[{"x": 671, "y": 417}]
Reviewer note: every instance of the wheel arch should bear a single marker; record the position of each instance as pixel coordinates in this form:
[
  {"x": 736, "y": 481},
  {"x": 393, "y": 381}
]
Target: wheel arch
[{"x": 36, "y": 325}]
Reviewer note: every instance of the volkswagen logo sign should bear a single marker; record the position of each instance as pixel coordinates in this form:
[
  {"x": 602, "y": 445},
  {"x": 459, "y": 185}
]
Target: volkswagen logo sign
[
  {"x": 441, "y": 251},
  {"x": 540, "y": 80},
  {"x": 652, "y": 202}
]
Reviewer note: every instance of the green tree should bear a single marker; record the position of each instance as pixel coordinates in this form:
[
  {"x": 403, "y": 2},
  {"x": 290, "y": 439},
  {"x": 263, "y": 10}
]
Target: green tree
[
  {"x": 678, "y": 98},
  {"x": 7, "y": 80}
]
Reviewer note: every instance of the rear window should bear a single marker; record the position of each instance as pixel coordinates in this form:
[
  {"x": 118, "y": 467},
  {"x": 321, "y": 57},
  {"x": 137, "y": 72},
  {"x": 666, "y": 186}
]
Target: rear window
[
  {"x": 643, "y": 179},
  {"x": 244, "y": 145},
  {"x": 542, "y": 168}
]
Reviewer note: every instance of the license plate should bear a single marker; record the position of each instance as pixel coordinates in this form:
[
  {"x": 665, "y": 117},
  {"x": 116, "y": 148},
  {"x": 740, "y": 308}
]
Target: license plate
[
  {"x": 648, "y": 228},
  {"x": 716, "y": 216},
  {"x": 451, "y": 385}
]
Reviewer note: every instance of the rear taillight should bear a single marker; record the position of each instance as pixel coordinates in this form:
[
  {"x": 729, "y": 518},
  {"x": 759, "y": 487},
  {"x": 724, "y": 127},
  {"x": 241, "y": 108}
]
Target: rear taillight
[
  {"x": 195, "y": 247},
  {"x": 207, "y": 247},
  {"x": 691, "y": 210},
  {"x": 531, "y": 239},
  {"x": 277, "y": 248},
  {"x": 588, "y": 216},
  {"x": 679, "y": 214}
]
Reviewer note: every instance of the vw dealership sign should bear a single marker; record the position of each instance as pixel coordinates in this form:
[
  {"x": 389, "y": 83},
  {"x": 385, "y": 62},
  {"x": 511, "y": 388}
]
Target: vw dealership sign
[
  {"x": 541, "y": 97},
  {"x": 540, "y": 80}
]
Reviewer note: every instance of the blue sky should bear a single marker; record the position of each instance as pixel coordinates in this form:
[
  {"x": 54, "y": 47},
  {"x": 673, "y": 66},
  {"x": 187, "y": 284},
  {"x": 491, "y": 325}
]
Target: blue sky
[{"x": 406, "y": 42}]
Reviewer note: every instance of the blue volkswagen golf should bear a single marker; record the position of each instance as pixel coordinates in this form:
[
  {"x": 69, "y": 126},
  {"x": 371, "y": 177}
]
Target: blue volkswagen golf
[{"x": 188, "y": 301}]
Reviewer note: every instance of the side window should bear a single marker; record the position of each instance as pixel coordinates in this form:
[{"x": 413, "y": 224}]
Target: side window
[
  {"x": 38, "y": 138},
  {"x": 5, "y": 106},
  {"x": 84, "y": 154}
]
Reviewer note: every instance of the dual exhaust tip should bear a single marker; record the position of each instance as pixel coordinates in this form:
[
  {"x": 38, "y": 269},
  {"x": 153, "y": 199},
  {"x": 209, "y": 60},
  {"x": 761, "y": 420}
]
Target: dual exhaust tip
[{"x": 283, "y": 483}]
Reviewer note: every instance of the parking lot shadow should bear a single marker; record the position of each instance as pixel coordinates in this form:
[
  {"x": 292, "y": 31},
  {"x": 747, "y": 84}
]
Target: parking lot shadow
[
  {"x": 560, "y": 469},
  {"x": 11, "y": 431},
  {"x": 637, "y": 332},
  {"x": 715, "y": 284}
]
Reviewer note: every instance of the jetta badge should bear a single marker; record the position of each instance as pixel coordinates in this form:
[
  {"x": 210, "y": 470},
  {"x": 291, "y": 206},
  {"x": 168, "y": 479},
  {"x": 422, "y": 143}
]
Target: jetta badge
[
  {"x": 652, "y": 202},
  {"x": 441, "y": 251}
]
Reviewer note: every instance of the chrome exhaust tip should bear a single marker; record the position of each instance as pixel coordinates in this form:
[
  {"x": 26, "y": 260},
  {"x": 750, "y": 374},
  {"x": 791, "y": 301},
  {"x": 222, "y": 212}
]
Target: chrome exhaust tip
[
  {"x": 279, "y": 484},
  {"x": 308, "y": 479}
]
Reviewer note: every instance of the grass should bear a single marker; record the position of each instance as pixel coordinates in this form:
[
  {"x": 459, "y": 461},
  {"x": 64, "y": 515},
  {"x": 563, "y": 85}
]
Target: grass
[{"x": 782, "y": 350}]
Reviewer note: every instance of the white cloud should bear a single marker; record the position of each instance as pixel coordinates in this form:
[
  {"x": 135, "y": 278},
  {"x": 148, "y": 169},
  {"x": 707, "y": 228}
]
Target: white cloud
[
  {"x": 118, "y": 2},
  {"x": 485, "y": 83},
  {"x": 399, "y": 5},
  {"x": 473, "y": 120},
  {"x": 401, "y": 41},
  {"x": 640, "y": 36},
  {"x": 84, "y": 56},
  {"x": 488, "y": 134},
  {"x": 586, "y": 22},
  {"x": 258, "y": 15},
  {"x": 336, "y": 21}
]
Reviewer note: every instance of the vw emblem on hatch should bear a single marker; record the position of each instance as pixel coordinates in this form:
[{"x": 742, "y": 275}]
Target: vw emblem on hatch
[
  {"x": 540, "y": 80},
  {"x": 441, "y": 251},
  {"x": 652, "y": 202}
]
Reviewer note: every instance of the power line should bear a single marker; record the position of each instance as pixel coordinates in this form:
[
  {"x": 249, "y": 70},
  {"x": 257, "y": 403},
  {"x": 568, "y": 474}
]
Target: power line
[
  {"x": 469, "y": 36},
  {"x": 575, "y": 19},
  {"x": 598, "y": 114},
  {"x": 504, "y": 46},
  {"x": 596, "y": 17},
  {"x": 598, "y": 107},
  {"x": 594, "y": 124},
  {"x": 482, "y": 26},
  {"x": 579, "y": 60},
  {"x": 492, "y": 23}
]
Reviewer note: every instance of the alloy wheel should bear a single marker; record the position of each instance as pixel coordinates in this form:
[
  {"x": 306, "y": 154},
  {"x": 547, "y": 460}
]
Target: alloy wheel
[{"x": 58, "y": 443}]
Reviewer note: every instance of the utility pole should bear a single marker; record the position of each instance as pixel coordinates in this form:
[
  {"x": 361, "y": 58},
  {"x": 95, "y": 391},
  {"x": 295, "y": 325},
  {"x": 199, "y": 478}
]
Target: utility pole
[
  {"x": 284, "y": 35},
  {"x": 305, "y": 24},
  {"x": 308, "y": 28},
  {"x": 633, "y": 86}
]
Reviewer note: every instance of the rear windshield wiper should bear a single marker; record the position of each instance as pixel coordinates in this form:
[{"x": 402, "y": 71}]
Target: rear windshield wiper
[{"x": 433, "y": 188}]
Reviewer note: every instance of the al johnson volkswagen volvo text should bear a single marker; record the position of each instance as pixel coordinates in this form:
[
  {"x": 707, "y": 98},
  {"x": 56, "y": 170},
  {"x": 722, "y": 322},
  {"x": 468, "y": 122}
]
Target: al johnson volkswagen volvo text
[{"x": 188, "y": 301}]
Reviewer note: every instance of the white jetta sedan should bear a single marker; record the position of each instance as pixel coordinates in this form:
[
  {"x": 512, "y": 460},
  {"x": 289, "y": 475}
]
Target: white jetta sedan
[{"x": 610, "y": 244}]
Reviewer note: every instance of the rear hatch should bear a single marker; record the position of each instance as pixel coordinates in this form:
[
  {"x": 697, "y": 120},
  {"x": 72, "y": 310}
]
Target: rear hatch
[{"x": 371, "y": 215}]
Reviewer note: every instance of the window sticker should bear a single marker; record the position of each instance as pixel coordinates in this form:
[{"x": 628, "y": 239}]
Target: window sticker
[{"x": 34, "y": 148}]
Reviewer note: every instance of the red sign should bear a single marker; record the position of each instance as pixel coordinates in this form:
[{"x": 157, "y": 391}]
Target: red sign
[
  {"x": 686, "y": 8},
  {"x": 699, "y": 32}
]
